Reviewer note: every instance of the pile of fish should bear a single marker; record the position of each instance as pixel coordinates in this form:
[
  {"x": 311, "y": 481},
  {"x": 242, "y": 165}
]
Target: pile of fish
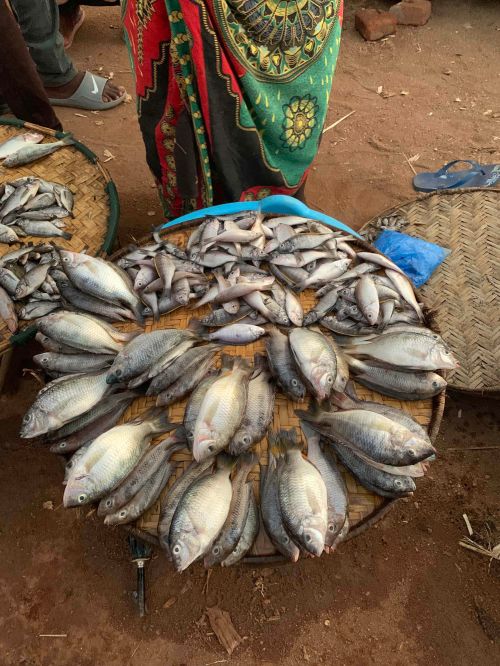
[
  {"x": 366, "y": 324},
  {"x": 41, "y": 279},
  {"x": 32, "y": 206}
]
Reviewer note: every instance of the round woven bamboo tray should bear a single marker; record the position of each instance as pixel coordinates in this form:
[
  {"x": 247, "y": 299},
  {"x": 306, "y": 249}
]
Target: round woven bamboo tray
[
  {"x": 464, "y": 292},
  {"x": 365, "y": 509},
  {"x": 96, "y": 208}
]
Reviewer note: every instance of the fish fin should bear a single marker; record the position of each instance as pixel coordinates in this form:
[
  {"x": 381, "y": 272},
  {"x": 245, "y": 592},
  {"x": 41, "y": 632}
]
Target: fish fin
[
  {"x": 311, "y": 415},
  {"x": 241, "y": 363},
  {"x": 248, "y": 460},
  {"x": 66, "y": 235},
  {"x": 285, "y": 440},
  {"x": 158, "y": 418},
  {"x": 68, "y": 140},
  {"x": 197, "y": 328},
  {"x": 259, "y": 364},
  {"x": 225, "y": 461},
  {"x": 226, "y": 362}
]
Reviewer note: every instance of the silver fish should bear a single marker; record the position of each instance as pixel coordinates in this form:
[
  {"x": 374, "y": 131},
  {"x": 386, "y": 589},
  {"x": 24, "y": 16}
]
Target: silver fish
[
  {"x": 73, "y": 363},
  {"x": 325, "y": 273},
  {"x": 234, "y": 334},
  {"x": 37, "y": 309},
  {"x": 182, "y": 367},
  {"x": 282, "y": 364},
  {"x": 8, "y": 235},
  {"x": 31, "y": 152},
  {"x": 8, "y": 311},
  {"x": 13, "y": 144},
  {"x": 32, "y": 280},
  {"x": 367, "y": 299},
  {"x": 316, "y": 357},
  {"x": 193, "y": 528},
  {"x": 248, "y": 536},
  {"x": 294, "y": 309}
]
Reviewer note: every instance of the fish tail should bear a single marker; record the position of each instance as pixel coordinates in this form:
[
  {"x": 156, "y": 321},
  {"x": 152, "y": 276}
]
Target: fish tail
[
  {"x": 197, "y": 328},
  {"x": 242, "y": 364},
  {"x": 158, "y": 419},
  {"x": 311, "y": 415},
  {"x": 226, "y": 362},
  {"x": 259, "y": 364},
  {"x": 283, "y": 441},
  {"x": 248, "y": 460},
  {"x": 68, "y": 140},
  {"x": 66, "y": 235}
]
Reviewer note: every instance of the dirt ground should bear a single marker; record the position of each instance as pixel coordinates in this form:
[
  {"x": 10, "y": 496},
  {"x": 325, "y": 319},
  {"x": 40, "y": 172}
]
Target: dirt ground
[{"x": 403, "y": 593}]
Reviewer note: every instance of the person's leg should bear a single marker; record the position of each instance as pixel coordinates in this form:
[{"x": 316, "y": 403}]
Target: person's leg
[
  {"x": 39, "y": 23},
  {"x": 20, "y": 85}
]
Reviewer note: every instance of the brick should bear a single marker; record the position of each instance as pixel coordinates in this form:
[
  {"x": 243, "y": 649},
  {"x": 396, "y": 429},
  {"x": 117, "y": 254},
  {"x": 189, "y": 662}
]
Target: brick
[
  {"x": 412, "y": 12},
  {"x": 374, "y": 24}
]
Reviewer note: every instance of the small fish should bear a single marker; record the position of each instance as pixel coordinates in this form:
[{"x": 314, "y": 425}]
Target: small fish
[
  {"x": 367, "y": 299},
  {"x": 32, "y": 280},
  {"x": 72, "y": 363},
  {"x": 259, "y": 409},
  {"x": 111, "y": 457},
  {"x": 193, "y": 528},
  {"x": 248, "y": 536},
  {"x": 304, "y": 242},
  {"x": 61, "y": 401},
  {"x": 32, "y": 152},
  {"x": 233, "y": 334},
  {"x": 37, "y": 309},
  {"x": 183, "y": 366},
  {"x": 221, "y": 412},
  {"x": 239, "y": 507},
  {"x": 8, "y": 280},
  {"x": 41, "y": 200},
  {"x": 325, "y": 273},
  {"x": 195, "y": 401},
  {"x": 17, "y": 142},
  {"x": 222, "y": 318},
  {"x": 18, "y": 199},
  {"x": 323, "y": 306},
  {"x": 48, "y": 214},
  {"x": 282, "y": 365},
  {"x": 170, "y": 502},
  {"x": 294, "y": 309},
  {"x": 316, "y": 357},
  {"x": 405, "y": 288},
  {"x": 302, "y": 494},
  {"x": 8, "y": 235}
]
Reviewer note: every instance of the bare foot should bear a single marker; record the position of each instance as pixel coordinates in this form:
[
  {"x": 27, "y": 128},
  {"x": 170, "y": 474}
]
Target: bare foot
[{"x": 109, "y": 94}]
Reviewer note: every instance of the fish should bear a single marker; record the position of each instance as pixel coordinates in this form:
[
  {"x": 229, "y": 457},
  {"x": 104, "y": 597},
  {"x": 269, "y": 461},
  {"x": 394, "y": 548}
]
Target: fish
[
  {"x": 412, "y": 385},
  {"x": 294, "y": 309},
  {"x": 84, "y": 332},
  {"x": 139, "y": 355},
  {"x": 325, "y": 273},
  {"x": 73, "y": 363},
  {"x": 111, "y": 457},
  {"x": 302, "y": 494},
  {"x": 37, "y": 309},
  {"x": 18, "y": 199},
  {"x": 181, "y": 367},
  {"x": 101, "y": 279},
  {"x": 193, "y": 528},
  {"x": 8, "y": 311},
  {"x": 89, "y": 304},
  {"x": 271, "y": 511},
  {"x": 375, "y": 435},
  {"x": 336, "y": 490},
  {"x": 51, "y": 213},
  {"x": 259, "y": 409},
  {"x": 367, "y": 299},
  {"x": 8, "y": 280},
  {"x": 61, "y": 401},
  {"x": 409, "y": 350},
  {"x": 41, "y": 200},
  {"x": 221, "y": 411},
  {"x": 170, "y": 501},
  {"x": 239, "y": 507},
  {"x": 187, "y": 382},
  {"x": 18, "y": 141},
  {"x": 152, "y": 485},
  {"x": 32, "y": 152},
  {"x": 90, "y": 425},
  {"x": 222, "y": 318},
  {"x": 31, "y": 281},
  {"x": 166, "y": 270},
  {"x": 282, "y": 365},
  {"x": 316, "y": 357},
  {"x": 233, "y": 334},
  {"x": 248, "y": 535},
  {"x": 8, "y": 235},
  {"x": 51, "y": 345},
  {"x": 304, "y": 242},
  {"x": 379, "y": 482},
  {"x": 195, "y": 401},
  {"x": 326, "y": 303}
]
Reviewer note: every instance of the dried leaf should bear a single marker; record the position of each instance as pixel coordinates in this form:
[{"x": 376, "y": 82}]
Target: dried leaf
[
  {"x": 170, "y": 602},
  {"x": 48, "y": 505},
  {"x": 223, "y": 627},
  {"x": 98, "y": 122},
  {"x": 80, "y": 115},
  {"x": 414, "y": 158},
  {"x": 108, "y": 155},
  {"x": 151, "y": 213}
]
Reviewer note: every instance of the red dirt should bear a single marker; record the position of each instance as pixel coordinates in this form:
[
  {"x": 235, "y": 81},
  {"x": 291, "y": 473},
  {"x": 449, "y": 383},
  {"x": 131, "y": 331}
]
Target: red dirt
[{"x": 403, "y": 593}]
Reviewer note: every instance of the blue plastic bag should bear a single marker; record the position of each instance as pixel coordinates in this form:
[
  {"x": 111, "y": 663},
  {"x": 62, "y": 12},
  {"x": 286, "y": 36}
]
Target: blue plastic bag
[{"x": 416, "y": 257}]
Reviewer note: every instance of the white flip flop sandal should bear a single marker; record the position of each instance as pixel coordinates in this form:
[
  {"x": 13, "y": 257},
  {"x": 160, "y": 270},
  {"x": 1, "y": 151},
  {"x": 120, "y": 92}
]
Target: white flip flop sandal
[{"x": 88, "y": 95}]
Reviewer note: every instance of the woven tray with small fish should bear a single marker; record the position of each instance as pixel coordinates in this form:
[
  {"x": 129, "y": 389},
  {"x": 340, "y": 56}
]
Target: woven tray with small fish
[
  {"x": 47, "y": 196},
  {"x": 222, "y": 420}
]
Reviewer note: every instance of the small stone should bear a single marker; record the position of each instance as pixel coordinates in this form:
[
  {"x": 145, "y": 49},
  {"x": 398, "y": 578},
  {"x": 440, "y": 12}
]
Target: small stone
[
  {"x": 412, "y": 12},
  {"x": 49, "y": 506},
  {"x": 373, "y": 24},
  {"x": 327, "y": 623}
]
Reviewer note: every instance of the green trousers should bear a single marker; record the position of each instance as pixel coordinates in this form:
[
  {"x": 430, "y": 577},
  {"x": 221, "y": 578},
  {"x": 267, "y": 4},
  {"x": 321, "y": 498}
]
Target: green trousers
[{"x": 39, "y": 23}]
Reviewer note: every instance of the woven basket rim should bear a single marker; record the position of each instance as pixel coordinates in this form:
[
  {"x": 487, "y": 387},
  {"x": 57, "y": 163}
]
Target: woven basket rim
[{"x": 492, "y": 391}]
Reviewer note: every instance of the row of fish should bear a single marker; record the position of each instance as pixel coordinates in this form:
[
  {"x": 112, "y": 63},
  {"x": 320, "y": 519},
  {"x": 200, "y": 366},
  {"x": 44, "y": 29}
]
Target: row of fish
[{"x": 25, "y": 148}]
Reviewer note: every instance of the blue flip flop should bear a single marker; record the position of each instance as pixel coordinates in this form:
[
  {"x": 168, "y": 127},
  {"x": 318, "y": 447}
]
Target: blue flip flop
[{"x": 479, "y": 175}]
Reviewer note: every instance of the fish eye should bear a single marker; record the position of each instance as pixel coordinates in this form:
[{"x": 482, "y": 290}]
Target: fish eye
[
  {"x": 329, "y": 379},
  {"x": 246, "y": 439},
  {"x": 286, "y": 540},
  {"x": 45, "y": 361},
  {"x": 62, "y": 445},
  {"x": 118, "y": 373},
  {"x": 27, "y": 418},
  {"x": 210, "y": 448},
  {"x": 82, "y": 497},
  {"x": 398, "y": 484},
  {"x": 331, "y": 527},
  {"x": 123, "y": 514},
  {"x": 308, "y": 538},
  {"x": 412, "y": 453},
  {"x": 176, "y": 549},
  {"x": 216, "y": 550},
  {"x": 295, "y": 382},
  {"x": 109, "y": 503},
  {"x": 435, "y": 384}
]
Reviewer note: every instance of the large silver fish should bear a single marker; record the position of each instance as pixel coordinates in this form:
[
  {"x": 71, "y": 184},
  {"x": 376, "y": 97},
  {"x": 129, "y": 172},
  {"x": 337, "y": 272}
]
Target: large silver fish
[
  {"x": 248, "y": 536},
  {"x": 317, "y": 359},
  {"x": 282, "y": 364},
  {"x": 35, "y": 151},
  {"x": 200, "y": 515}
]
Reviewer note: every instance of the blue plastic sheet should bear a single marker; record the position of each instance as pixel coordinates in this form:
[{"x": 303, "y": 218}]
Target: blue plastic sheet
[{"x": 416, "y": 257}]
